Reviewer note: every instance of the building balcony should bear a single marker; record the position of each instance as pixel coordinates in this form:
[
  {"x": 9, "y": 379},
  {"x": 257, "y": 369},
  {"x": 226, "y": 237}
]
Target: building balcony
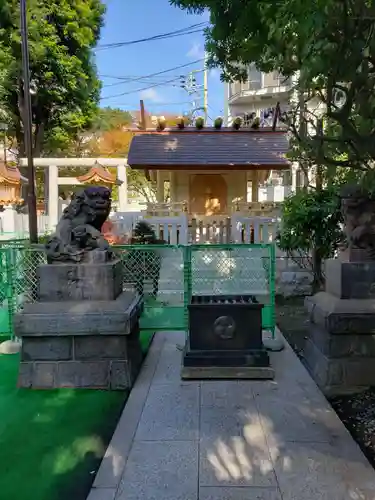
[{"x": 268, "y": 88}]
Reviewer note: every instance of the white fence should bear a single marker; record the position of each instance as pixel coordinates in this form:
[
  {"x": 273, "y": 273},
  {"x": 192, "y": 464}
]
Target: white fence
[
  {"x": 178, "y": 230},
  {"x": 174, "y": 230},
  {"x": 253, "y": 229},
  {"x": 15, "y": 225}
]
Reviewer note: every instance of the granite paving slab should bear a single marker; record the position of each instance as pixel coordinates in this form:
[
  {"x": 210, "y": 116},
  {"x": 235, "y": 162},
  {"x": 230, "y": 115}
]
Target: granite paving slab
[{"x": 230, "y": 440}]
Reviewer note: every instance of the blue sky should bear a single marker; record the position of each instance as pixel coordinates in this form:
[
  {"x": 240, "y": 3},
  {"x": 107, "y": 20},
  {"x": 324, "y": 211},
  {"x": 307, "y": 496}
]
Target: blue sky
[{"x": 130, "y": 20}]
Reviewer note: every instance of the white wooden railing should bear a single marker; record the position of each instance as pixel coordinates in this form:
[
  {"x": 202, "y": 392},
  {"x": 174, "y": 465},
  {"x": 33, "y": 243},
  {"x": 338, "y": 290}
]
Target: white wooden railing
[
  {"x": 15, "y": 225},
  {"x": 238, "y": 228},
  {"x": 174, "y": 208},
  {"x": 173, "y": 230},
  {"x": 256, "y": 208},
  {"x": 253, "y": 229},
  {"x": 207, "y": 229}
]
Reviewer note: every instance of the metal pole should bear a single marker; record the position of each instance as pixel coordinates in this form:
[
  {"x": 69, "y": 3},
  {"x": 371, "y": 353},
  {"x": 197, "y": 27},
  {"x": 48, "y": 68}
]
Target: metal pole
[
  {"x": 27, "y": 127},
  {"x": 205, "y": 89}
]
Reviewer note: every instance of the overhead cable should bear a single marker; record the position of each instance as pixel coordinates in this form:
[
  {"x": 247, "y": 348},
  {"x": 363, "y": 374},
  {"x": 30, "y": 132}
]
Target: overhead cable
[
  {"x": 195, "y": 28},
  {"x": 152, "y": 74}
]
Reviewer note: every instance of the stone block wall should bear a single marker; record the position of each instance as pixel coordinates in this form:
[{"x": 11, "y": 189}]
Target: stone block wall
[
  {"x": 292, "y": 279},
  {"x": 99, "y": 362}
]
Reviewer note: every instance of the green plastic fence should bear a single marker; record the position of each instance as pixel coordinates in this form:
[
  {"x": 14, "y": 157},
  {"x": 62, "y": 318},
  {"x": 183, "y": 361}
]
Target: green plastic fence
[{"x": 166, "y": 275}]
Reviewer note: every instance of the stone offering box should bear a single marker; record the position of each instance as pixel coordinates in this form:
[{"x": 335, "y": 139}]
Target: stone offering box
[
  {"x": 83, "y": 331},
  {"x": 225, "y": 339}
]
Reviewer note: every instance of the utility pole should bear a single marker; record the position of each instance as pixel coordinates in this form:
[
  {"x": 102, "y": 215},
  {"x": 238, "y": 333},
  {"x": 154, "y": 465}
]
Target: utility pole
[
  {"x": 27, "y": 126},
  {"x": 205, "y": 88},
  {"x": 189, "y": 84}
]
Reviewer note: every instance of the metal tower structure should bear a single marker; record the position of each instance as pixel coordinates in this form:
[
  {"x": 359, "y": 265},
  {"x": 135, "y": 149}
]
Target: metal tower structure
[{"x": 197, "y": 92}]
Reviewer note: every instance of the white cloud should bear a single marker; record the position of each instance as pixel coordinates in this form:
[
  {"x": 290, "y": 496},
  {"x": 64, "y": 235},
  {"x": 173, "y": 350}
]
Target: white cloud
[
  {"x": 151, "y": 95},
  {"x": 196, "y": 51}
]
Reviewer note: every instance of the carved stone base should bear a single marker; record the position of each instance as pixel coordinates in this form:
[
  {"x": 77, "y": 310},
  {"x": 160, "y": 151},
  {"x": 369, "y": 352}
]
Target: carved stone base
[
  {"x": 340, "y": 374},
  {"x": 82, "y": 345},
  {"x": 341, "y": 316},
  {"x": 340, "y": 350},
  {"x": 66, "y": 281},
  {"x": 350, "y": 280},
  {"x": 110, "y": 362}
]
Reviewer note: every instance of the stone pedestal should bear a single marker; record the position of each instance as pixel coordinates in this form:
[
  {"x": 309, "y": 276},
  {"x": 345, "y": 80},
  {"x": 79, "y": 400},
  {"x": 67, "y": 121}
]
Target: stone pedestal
[
  {"x": 340, "y": 350},
  {"x": 83, "y": 331}
]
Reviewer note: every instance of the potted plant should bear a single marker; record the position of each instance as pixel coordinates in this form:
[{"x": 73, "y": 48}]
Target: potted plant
[
  {"x": 218, "y": 123},
  {"x": 237, "y": 122},
  {"x": 181, "y": 122},
  {"x": 161, "y": 123},
  {"x": 199, "y": 122},
  {"x": 256, "y": 123},
  {"x": 143, "y": 265}
]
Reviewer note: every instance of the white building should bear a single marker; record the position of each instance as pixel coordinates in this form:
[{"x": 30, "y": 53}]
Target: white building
[
  {"x": 258, "y": 97},
  {"x": 259, "y": 94}
]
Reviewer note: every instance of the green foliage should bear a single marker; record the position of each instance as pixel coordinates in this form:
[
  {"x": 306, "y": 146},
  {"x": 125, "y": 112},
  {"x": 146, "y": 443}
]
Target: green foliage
[
  {"x": 111, "y": 118},
  {"x": 140, "y": 186},
  {"x": 311, "y": 224},
  {"x": 45, "y": 237},
  {"x": 329, "y": 44},
  {"x": 63, "y": 74},
  {"x": 143, "y": 234}
]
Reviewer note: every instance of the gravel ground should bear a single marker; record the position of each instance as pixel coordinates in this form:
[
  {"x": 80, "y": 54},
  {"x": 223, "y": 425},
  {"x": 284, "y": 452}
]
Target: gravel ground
[{"x": 356, "y": 411}]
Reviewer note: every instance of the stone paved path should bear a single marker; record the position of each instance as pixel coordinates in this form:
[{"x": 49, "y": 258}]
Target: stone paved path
[{"x": 230, "y": 440}]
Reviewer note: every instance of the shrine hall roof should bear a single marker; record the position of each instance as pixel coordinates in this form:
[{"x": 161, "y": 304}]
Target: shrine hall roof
[
  {"x": 209, "y": 149},
  {"x": 98, "y": 173},
  {"x": 10, "y": 174}
]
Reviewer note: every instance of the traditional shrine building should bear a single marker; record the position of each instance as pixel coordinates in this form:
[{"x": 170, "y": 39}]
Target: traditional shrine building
[{"x": 208, "y": 171}]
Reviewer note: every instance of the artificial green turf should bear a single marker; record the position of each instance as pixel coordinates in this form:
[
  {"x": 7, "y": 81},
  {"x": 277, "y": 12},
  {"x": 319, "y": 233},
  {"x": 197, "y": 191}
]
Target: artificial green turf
[
  {"x": 52, "y": 441},
  {"x": 162, "y": 317}
]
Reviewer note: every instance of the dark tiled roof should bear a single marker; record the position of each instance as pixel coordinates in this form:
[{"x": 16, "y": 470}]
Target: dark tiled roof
[{"x": 209, "y": 149}]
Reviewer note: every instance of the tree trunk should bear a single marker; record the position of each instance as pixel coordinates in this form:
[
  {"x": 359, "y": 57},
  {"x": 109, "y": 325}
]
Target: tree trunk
[
  {"x": 303, "y": 133},
  {"x": 38, "y": 139},
  {"x": 316, "y": 253},
  {"x": 317, "y": 265}
]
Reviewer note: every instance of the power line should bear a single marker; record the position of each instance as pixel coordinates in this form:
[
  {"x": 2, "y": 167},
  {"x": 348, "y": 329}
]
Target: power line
[
  {"x": 135, "y": 77},
  {"x": 181, "y": 30},
  {"x": 152, "y": 74},
  {"x": 143, "y": 79},
  {"x": 195, "y": 28},
  {"x": 138, "y": 90},
  {"x": 126, "y": 44},
  {"x": 126, "y": 83},
  {"x": 156, "y": 104}
]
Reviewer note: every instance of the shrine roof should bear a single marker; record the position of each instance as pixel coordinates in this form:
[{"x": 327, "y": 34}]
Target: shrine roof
[
  {"x": 10, "y": 174},
  {"x": 97, "y": 173},
  {"x": 209, "y": 148}
]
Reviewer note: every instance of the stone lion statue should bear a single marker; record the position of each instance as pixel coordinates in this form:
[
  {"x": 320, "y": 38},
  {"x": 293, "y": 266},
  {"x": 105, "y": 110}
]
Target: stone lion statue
[
  {"x": 78, "y": 231},
  {"x": 358, "y": 210}
]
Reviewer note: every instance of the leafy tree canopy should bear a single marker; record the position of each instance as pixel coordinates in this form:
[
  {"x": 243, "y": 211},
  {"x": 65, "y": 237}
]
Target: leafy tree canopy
[
  {"x": 330, "y": 44},
  {"x": 112, "y": 118},
  {"x": 64, "y": 83}
]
